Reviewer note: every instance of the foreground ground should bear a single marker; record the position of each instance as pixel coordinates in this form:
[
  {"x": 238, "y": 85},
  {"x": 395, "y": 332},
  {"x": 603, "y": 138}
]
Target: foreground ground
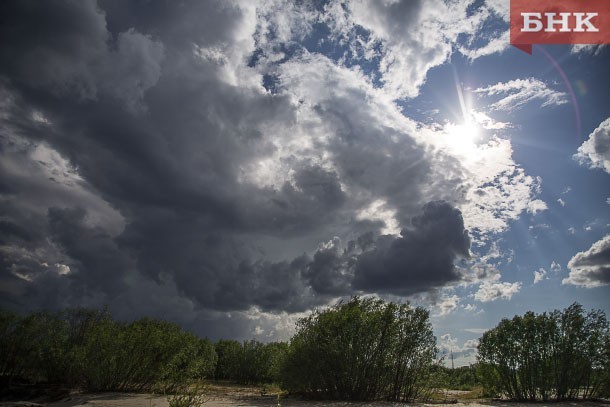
[{"x": 228, "y": 396}]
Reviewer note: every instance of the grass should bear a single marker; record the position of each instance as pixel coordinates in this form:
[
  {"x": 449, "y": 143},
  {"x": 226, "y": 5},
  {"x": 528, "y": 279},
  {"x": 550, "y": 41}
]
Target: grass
[{"x": 189, "y": 396}]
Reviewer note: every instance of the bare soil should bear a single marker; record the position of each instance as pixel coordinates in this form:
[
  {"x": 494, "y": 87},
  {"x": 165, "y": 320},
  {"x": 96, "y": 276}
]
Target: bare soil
[{"x": 230, "y": 396}]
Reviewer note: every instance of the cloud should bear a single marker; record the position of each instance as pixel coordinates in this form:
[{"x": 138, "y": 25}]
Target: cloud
[
  {"x": 423, "y": 256},
  {"x": 489, "y": 123},
  {"x": 406, "y": 39},
  {"x": 495, "y": 45},
  {"x": 491, "y": 291},
  {"x": 519, "y": 92},
  {"x": 591, "y": 268},
  {"x": 555, "y": 267},
  {"x": 540, "y": 275},
  {"x": 536, "y": 206},
  {"x": 478, "y": 331},
  {"x": 561, "y": 202},
  {"x": 455, "y": 354},
  {"x": 77, "y": 58},
  {"x": 593, "y": 49},
  {"x": 204, "y": 162},
  {"x": 595, "y": 152},
  {"x": 448, "y": 304}
]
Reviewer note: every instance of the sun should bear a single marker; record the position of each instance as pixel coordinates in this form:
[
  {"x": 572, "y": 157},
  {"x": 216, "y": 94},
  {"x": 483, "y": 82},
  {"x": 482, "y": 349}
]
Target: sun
[{"x": 462, "y": 138}]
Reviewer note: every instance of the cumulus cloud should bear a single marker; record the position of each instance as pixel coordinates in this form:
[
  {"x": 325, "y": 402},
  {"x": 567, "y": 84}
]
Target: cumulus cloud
[
  {"x": 186, "y": 161},
  {"x": 491, "y": 291},
  {"x": 518, "y": 92},
  {"x": 448, "y": 304},
  {"x": 591, "y": 268},
  {"x": 536, "y": 206},
  {"x": 555, "y": 267},
  {"x": 454, "y": 353},
  {"x": 78, "y": 58},
  {"x": 595, "y": 152},
  {"x": 540, "y": 275},
  {"x": 397, "y": 265}
]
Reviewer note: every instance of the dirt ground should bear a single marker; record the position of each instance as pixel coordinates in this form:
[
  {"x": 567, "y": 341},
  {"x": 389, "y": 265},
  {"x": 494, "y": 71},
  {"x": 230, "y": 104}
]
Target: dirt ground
[{"x": 230, "y": 396}]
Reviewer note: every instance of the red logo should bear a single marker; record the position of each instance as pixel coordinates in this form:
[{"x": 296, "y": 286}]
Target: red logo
[{"x": 559, "y": 22}]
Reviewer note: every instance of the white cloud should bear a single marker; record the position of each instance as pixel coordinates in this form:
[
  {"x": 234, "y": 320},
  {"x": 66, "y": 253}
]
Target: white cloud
[
  {"x": 414, "y": 39},
  {"x": 536, "y": 206},
  {"x": 500, "y": 7},
  {"x": 378, "y": 210},
  {"x": 487, "y": 122},
  {"x": 591, "y": 268},
  {"x": 478, "y": 331},
  {"x": 555, "y": 267},
  {"x": 331, "y": 101},
  {"x": 495, "y": 45},
  {"x": 414, "y": 36},
  {"x": 540, "y": 275},
  {"x": 462, "y": 355},
  {"x": 448, "y": 304},
  {"x": 519, "y": 92},
  {"x": 592, "y": 49},
  {"x": 471, "y": 308},
  {"x": 491, "y": 291},
  {"x": 561, "y": 202},
  {"x": 595, "y": 152},
  {"x": 471, "y": 344}
]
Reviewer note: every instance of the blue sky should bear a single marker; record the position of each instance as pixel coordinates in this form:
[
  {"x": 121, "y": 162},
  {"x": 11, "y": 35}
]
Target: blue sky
[{"x": 231, "y": 166}]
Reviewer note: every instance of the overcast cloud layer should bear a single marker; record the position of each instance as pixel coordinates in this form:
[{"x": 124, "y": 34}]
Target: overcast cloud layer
[{"x": 224, "y": 165}]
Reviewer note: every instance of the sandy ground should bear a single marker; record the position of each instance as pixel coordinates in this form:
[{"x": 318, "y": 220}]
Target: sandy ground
[{"x": 228, "y": 396}]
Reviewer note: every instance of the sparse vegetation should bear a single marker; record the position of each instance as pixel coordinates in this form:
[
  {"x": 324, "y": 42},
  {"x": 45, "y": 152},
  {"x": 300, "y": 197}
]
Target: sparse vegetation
[
  {"x": 362, "y": 349},
  {"x": 188, "y": 396}
]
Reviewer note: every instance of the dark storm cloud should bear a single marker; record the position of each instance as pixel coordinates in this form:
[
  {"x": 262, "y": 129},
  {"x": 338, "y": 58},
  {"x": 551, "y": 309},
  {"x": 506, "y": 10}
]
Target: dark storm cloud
[
  {"x": 64, "y": 47},
  {"x": 421, "y": 258},
  {"x": 129, "y": 130},
  {"x": 98, "y": 263}
]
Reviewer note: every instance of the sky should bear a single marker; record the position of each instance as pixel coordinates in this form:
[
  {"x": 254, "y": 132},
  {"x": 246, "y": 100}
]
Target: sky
[{"x": 233, "y": 165}]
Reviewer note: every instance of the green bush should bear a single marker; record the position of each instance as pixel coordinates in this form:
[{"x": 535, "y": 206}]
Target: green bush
[
  {"x": 559, "y": 355},
  {"x": 88, "y": 349},
  {"x": 250, "y": 362},
  {"x": 364, "y": 349}
]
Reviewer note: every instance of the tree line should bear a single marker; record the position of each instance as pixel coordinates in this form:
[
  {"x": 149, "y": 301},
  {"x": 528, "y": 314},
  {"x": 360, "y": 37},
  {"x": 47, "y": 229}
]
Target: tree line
[
  {"x": 88, "y": 349},
  {"x": 360, "y": 349}
]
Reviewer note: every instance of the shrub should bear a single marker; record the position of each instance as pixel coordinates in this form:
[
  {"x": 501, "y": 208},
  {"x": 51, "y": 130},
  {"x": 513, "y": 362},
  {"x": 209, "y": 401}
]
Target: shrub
[
  {"x": 250, "y": 362},
  {"x": 560, "y": 355},
  {"x": 364, "y": 349},
  {"x": 188, "y": 396},
  {"x": 87, "y": 348}
]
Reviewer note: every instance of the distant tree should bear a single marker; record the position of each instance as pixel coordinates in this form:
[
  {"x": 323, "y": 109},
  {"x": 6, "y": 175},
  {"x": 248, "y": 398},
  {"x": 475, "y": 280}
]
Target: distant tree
[
  {"x": 229, "y": 356},
  {"x": 88, "y": 349},
  {"x": 561, "y": 355},
  {"x": 363, "y": 349},
  {"x": 249, "y": 362}
]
